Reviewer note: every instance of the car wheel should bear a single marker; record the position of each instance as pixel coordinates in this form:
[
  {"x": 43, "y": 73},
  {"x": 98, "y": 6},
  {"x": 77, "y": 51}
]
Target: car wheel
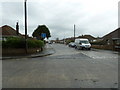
[
  {"x": 89, "y": 49},
  {"x": 79, "y": 48},
  {"x": 83, "y": 48},
  {"x": 75, "y": 47}
]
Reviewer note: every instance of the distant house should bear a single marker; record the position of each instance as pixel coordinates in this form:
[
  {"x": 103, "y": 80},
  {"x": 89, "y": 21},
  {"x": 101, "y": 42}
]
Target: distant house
[
  {"x": 89, "y": 37},
  {"x": 72, "y": 38},
  {"x": 113, "y": 38},
  {"x": 7, "y": 31}
]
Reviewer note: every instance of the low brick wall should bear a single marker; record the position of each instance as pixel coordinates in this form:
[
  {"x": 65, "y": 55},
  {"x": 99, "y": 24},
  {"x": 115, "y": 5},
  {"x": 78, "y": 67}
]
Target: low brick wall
[
  {"x": 11, "y": 51},
  {"x": 106, "y": 47}
]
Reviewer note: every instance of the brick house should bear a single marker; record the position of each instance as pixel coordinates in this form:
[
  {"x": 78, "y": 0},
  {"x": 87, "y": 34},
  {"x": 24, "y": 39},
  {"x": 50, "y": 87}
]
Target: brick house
[
  {"x": 7, "y": 31},
  {"x": 89, "y": 37},
  {"x": 113, "y": 38}
]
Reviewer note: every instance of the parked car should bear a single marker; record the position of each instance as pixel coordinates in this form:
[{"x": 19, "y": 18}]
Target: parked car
[
  {"x": 49, "y": 42},
  {"x": 82, "y": 44},
  {"x": 71, "y": 44}
]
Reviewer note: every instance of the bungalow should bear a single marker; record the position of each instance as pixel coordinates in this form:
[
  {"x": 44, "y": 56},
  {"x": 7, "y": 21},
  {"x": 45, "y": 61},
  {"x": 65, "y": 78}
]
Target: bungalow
[
  {"x": 113, "y": 38},
  {"x": 7, "y": 31},
  {"x": 89, "y": 37}
]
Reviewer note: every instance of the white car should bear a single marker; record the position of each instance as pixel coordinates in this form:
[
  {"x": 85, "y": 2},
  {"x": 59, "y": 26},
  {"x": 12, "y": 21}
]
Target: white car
[{"x": 82, "y": 44}]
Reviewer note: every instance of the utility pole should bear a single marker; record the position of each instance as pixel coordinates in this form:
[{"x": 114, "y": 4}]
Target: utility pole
[
  {"x": 25, "y": 5},
  {"x": 74, "y": 32}
]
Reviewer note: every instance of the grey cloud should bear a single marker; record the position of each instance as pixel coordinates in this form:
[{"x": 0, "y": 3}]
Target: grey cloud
[
  {"x": 60, "y": 16},
  {"x": 12, "y": 9}
]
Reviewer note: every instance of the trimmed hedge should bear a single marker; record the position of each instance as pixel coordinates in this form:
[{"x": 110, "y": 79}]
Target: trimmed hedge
[
  {"x": 35, "y": 43},
  {"x": 98, "y": 43},
  {"x": 17, "y": 42}
]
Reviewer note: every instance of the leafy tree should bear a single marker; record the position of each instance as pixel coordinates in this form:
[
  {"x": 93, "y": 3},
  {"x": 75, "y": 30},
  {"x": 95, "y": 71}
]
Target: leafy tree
[{"x": 41, "y": 29}]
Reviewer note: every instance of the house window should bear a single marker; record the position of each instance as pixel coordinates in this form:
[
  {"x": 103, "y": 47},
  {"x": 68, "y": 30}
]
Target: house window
[
  {"x": 108, "y": 42},
  {"x": 117, "y": 42}
]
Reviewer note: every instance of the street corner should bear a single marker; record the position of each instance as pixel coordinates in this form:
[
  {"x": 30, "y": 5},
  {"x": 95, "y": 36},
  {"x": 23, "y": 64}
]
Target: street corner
[{"x": 47, "y": 51}]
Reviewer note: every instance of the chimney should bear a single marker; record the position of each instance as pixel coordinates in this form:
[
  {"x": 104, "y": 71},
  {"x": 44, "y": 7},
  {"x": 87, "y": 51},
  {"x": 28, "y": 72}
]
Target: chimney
[{"x": 17, "y": 29}]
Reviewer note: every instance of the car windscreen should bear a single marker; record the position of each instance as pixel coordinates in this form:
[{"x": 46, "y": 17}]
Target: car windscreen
[{"x": 84, "y": 42}]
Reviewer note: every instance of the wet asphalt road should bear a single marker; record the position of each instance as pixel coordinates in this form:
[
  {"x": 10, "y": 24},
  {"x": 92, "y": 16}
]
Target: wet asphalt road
[{"x": 67, "y": 68}]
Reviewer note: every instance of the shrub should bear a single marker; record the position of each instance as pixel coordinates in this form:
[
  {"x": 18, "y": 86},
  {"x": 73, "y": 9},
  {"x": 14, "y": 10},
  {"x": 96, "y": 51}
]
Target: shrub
[
  {"x": 35, "y": 43},
  {"x": 17, "y": 42},
  {"x": 14, "y": 42},
  {"x": 98, "y": 43}
]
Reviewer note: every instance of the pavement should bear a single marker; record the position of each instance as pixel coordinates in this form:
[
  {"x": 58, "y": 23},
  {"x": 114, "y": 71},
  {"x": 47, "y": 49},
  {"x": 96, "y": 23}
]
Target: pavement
[{"x": 48, "y": 50}]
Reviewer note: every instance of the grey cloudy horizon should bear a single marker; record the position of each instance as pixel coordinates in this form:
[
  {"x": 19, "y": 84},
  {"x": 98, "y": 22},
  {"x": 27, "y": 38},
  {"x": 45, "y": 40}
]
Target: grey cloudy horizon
[{"x": 94, "y": 17}]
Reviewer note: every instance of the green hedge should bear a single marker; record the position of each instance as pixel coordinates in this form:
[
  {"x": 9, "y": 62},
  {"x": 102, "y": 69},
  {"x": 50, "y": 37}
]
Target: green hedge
[
  {"x": 17, "y": 42},
  {"x": 98, "y": 43},
  {"x": 35, "y": 43}
]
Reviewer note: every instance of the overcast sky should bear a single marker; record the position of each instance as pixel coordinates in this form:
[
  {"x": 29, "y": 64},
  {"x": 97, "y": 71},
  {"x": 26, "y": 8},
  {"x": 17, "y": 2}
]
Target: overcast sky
[{"x": 94, "y": 17}]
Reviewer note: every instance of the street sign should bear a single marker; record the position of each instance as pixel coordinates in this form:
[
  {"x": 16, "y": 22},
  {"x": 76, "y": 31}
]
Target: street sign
[{"x": 43, "y": 35}]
